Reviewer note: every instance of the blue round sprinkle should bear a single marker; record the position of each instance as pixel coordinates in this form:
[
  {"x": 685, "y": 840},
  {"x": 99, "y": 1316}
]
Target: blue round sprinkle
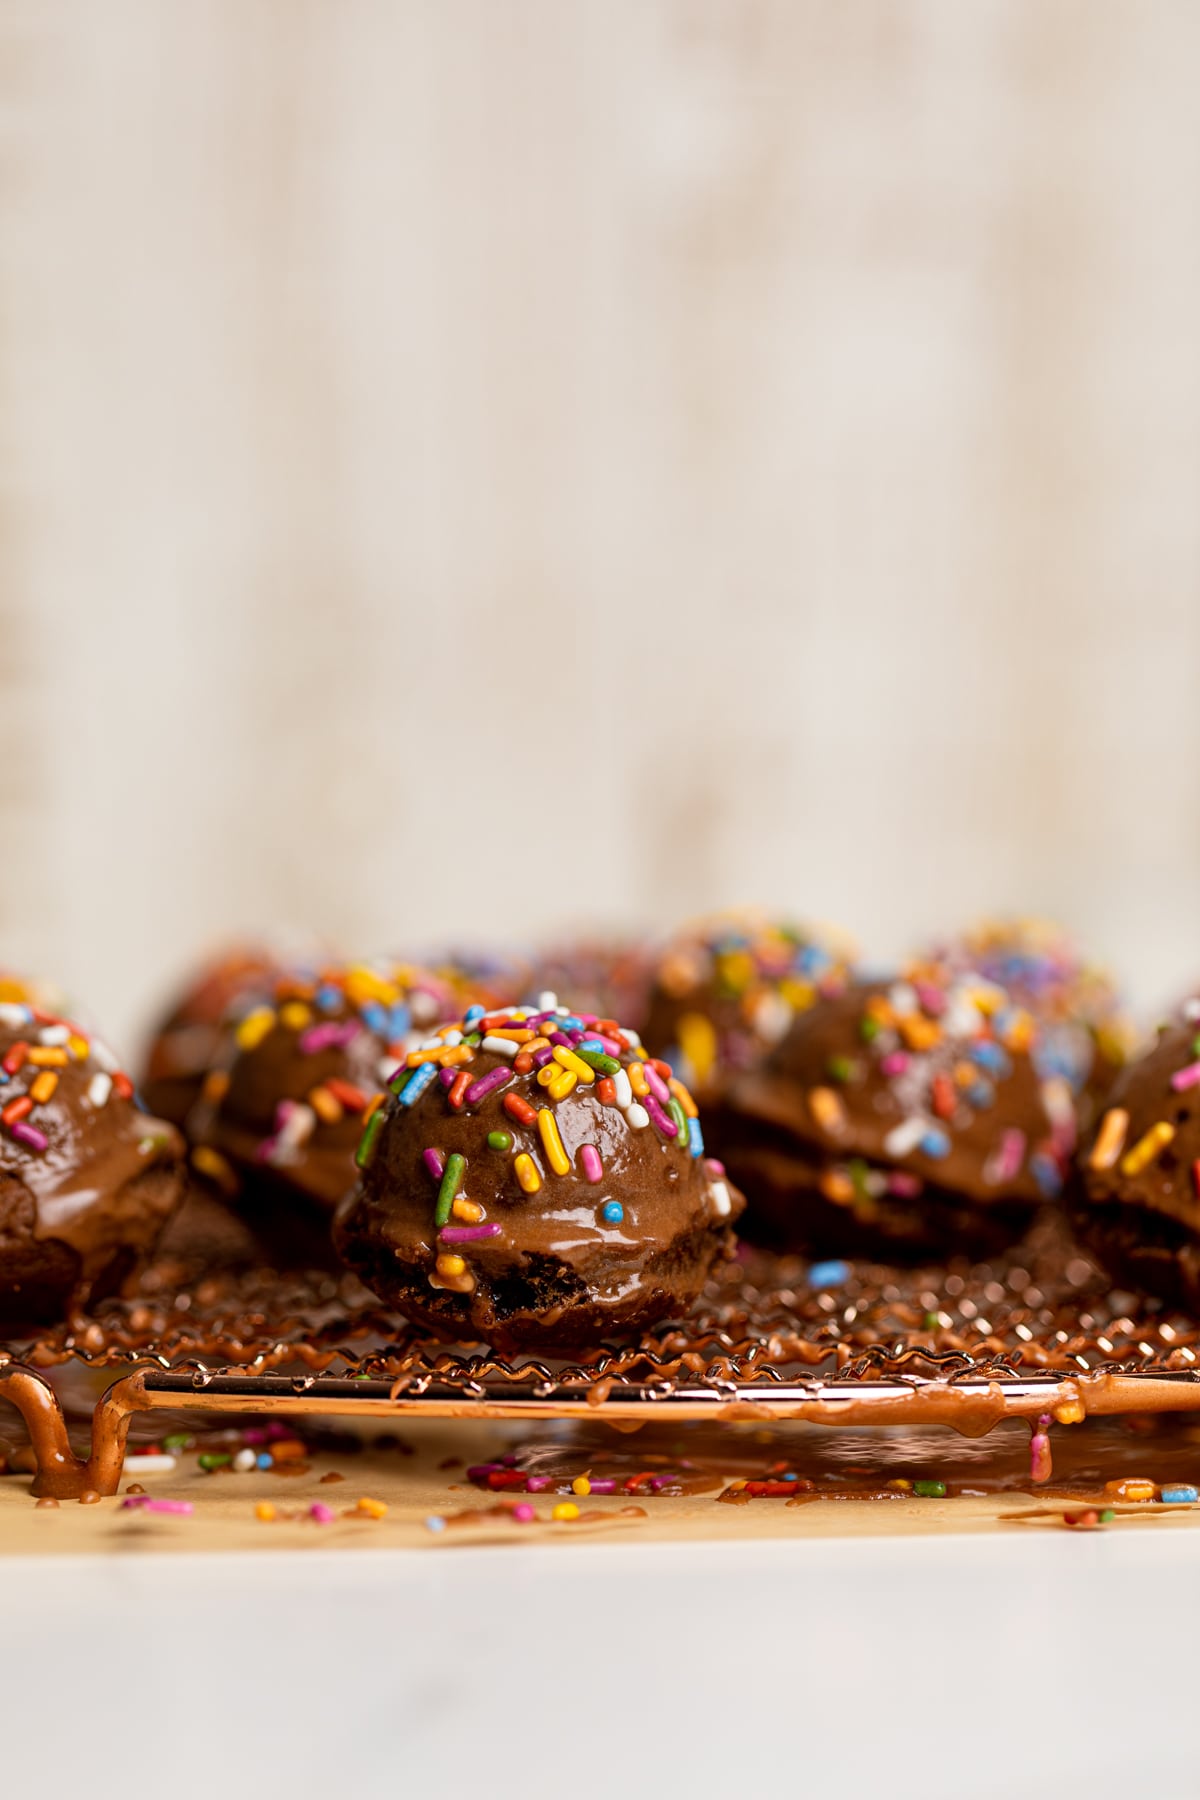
[
  {"x": 265, "y": 1460},
  {"x": 612, "y": 1212},
  {"x": 828, "y": 1274},
  {"x": 434, "y": 1523}
]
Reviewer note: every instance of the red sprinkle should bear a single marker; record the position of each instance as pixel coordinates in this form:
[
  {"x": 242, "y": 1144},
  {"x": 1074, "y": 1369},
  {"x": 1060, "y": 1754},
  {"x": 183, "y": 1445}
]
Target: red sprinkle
[
  {"x": 351, "y": 1097},
  {"x": 520, "y": 1109},
  {"x": 606, "y": 1091},
  {"x": 122, "y": 1085},
  {"x": 458, "y": 1088},
  {"x": 16, "y": 1109},
  {"x": 15, "y": 1057}
]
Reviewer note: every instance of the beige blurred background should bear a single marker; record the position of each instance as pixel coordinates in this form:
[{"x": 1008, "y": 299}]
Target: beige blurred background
[{"x": 471, "y": 467}]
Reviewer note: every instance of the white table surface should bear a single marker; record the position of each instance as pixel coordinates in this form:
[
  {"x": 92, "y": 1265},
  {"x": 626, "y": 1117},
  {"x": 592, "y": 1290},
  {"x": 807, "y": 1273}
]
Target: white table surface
[{"x": 838, "y": 1669}]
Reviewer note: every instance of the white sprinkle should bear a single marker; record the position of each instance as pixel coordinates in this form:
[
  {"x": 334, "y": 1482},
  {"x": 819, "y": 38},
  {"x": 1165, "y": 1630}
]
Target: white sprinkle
[
  {"x": 722, "y": 1205},
  {"x": 387, "y": 1068},
  {"x": 423, "y": 1007},
  {"x": 244, "y": 1461},
  {"x": 14, "y": 1015},
  {"x": 634, "y": 1040},
  {"x": 99, "y": 1088},
  {"x": 501, "y": 1046},
  {"x": 904, "y": 1137},
  {"x": 451, "y": 1039},
  {"x": 637, "y": 1117},
  {"x": 54, "y": 1036},
  {"x": 624, "y": 1089},
  {"x": 298, "y": 1127},
  {"x": 547, "y": 1002},
  {"x": 1191, "y": 1010},
  {"x": 158, "y": 1463},
  {"x": 104, "y": 1056},
  {"x": 902, "y": 998}
]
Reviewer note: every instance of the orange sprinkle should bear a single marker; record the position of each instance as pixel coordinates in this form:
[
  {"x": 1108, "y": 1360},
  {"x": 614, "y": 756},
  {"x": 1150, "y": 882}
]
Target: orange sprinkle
[
  {"x": 47, "y": 1056},
  {"x": 16, "y": 1109},
  {"x": 520, "y": 1110},
  {"x": 690, "y": 1109},
  {"x": 351, "y": 1097},
  {"x": 372, "y": 1107},
  {"x": 326, "y": 1106},
  {"x": 374, "y": 1509},
  {"x": 458, "y": 1088},
  {"x": 606, "y": 1090},
  {"x": 43, "y": 1088},
  {"x": 216, "y": 1086}
]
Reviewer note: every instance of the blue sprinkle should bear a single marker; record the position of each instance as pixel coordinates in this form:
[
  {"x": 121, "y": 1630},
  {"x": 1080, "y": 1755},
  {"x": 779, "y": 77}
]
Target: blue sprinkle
[
  {"x": 399, "y": 1021},
  {"x": 570, "y": 1023},
  {"x": 935, "y": 1143},
  {"x": 264, "y": 1460},
  {"x": 981, "y": 1094},
  {"x": 4, "y": 1076},
  {"x": 434, "y": 1523},
  {"x": 591, "y": 1043},
  {"x": 992, "y": 1057},
  {"x": 695, "y": 1137},
  {"x": 1046, "y": 1174},
  {"x": 375, "y": 1017},
  {"x": 1179, "y": 1493},
  {"x": 789, "y": 1477},
  {"x": 612, "y": 1212},
  {"x": 329, "y": 998},
  {"x": 422, "y": 1077},
  {"x": 828, "y": 1274},
  {"x": 472, "y": 1013}
]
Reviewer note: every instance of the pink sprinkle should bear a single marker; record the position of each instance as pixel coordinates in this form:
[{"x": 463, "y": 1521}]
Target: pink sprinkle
[
  {"x": 932, "y": 999},
  {"x": 593, "y": 1168},
  {"x": 537, "y": 1484},
  {"x": 1012, "y": 1149},
  {"x": 1186, "y": 1078},
  {"x": 435, "y": 1162},
  {"x": 324, "y": 1515},
  {"x": 467, "y": 1234},
  {"x": 487, "y": 1084},
  {"x": 908, "y": 1186},
  {"x": 328, "y": 1037},
  {"x": 524, "y": 1513},
  {"x": 29, "y": 1134},
  {"x": 609, "y": 1045},
  {"x": 657, "y": 1085},
  {"x": 661, "y": 1122},
  {"x": 894, "y": 1063},
  {"x": 714, "y": 1165},
  {"x": 145, "y": 1504}
]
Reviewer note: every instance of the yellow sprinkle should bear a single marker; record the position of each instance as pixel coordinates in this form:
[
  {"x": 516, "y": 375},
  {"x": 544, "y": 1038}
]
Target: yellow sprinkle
[
  {"x": 1147, "y": 1148},
  {"x": 550, "y": 1072},
  {"x": 264, "y": 1511},
  {"x": 901, "y": 1486},
  {"x": 637, "y": 1078},
  {"x": 827, "y": 1109},
  {"x": 364, "y": 984},
  {"x": 527, "y": 1173},
  {"x": 254, "y": 1028},
  {"x": 698, "y": 1041},
  {"x": 566, "y": 1509},
  {"x": 561, "y": 1086},
  {"x": 552, "y": 1142},
  {"x": 43, "y": 1058},
  {"x": 1019, "y": 1035},
  {"x": 469, "y": 1211},
  {"x": 374, "y": 1509},
  {"x": 295, "y": 1015},
  {"x": 581, "y": 1485},
  {"x": 42, "y": 1088},
  {"x": 326, "y": 1105},
  {"x": 1110, "y": 1139},
  {"x": 78, "y": 1046},
  {"x": 736, "y": 969},
  {"x": 918, "y": 1032},
  {"x": 216, "y": 1086},
  {"x": 574, "y": 1064},
  {"x": 799, "y": 995},
  {"x": 690, "y": 1109},
  {"x": 450, "y": 1265},
  {"x": 1070, "y": 1412}
]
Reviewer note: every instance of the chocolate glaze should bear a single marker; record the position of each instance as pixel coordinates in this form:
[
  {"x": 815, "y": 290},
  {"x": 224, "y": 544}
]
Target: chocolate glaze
[
  {"x": 84, "y": 1202},
  {"x": 557, "y": 1272},
  {"x": 349, "y": 1026},
  {"x": 192, "y": 1037},
  {"x": 724, "y": 990},
  {"x": 809, "y": 1135},
  {"x": 1143, "y": 1223}
]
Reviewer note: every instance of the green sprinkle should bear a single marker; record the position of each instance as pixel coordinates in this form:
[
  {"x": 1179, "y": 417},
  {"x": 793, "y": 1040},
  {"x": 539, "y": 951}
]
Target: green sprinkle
[
  {"x": 455, "y": 1164},
  {"x": 840, "y": 1068},
  {"x": 931, "y": 1322},
  {"x": 929, "y": 1490},
  {"x": 1107, "y": 1516},
  {"x": 499, "y": 1140},
  {"x": 607, "y": 1065},
  {"x": 868, "y": 1030},
  {"x": 178, "y": 1440},
  {"x": 215, "y": 1459},
  {"x": 680, "y": 1117},
  {"x": 366, "y": 1144},
  {"x": 473, "y": 1039},
  {"x": 1196, "y": 1045}
]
